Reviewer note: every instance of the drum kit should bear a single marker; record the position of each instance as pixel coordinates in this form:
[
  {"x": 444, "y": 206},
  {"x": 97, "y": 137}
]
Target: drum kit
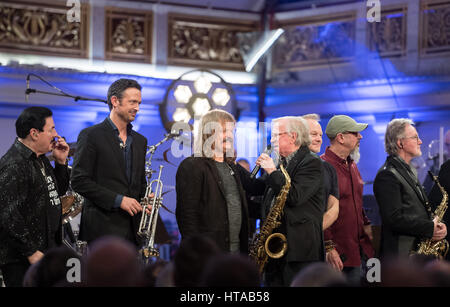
[
  {"x": 72, "y": 202},
  {"x": 72, "y": 205}
]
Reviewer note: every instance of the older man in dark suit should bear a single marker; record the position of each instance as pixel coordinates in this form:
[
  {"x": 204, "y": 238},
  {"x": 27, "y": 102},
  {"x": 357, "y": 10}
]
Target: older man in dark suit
[
  {"x": 302, "y": 218},
  {"x": 404, "y": 207}
]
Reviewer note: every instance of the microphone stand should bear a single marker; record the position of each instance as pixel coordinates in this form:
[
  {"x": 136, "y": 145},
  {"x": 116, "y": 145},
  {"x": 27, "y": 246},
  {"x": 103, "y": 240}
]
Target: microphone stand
[
  {"x": 76, "y": 98},
  {"x": 29, "y": 90},
  {"x": 151, "y": 150}
]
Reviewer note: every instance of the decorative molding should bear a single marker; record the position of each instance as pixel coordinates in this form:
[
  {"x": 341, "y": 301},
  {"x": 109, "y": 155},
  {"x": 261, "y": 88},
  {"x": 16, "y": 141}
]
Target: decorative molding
[
  {"x": 43, "y": 29},
  {"x": 435, "y": 28},
  {"x": 315, "y": 41},
  {"x": 203, "y": 42},
  {"x": 388, "y": 37},
  {"x": 128, "y": 34}
]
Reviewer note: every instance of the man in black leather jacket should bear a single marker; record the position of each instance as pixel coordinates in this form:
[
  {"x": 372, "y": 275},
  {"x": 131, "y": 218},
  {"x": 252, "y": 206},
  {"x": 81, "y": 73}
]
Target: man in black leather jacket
[{"x": 404, "y": 207}]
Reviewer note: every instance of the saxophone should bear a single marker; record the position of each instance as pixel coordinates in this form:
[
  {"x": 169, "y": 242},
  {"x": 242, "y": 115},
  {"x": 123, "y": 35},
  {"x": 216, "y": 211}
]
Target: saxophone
[
  {"x": 439, "y": 248},
  {"x": 266, "y": 243}
]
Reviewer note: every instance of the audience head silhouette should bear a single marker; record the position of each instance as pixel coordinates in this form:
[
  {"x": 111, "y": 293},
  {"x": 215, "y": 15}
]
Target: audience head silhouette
[
  {"x": 319, "y": 274},
  {"x": 405, "y": 272},
  {"x": 231, "y": 270},
  {"x": 112, "y": 262},
  {"x": 151, "y": 272},
  {"x": 190, "y": 259},
  {"x": 52, "y": 269}
]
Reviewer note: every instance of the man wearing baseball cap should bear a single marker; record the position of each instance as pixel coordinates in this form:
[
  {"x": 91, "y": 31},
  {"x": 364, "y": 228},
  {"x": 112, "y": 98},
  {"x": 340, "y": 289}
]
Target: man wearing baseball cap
[{"x": 348, "y": 240}]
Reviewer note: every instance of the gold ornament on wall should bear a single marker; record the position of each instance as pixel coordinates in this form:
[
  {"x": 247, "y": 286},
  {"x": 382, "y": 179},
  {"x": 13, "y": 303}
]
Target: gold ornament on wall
[
  {"x": 128, "y": 35},
  {"x": 42, "y": 29},
  {"x": 388, "y": 37},
  {"x": 208, "y": 43},
  {"x": 314, "y": 42},
  {"x": 435, "y": 27}
]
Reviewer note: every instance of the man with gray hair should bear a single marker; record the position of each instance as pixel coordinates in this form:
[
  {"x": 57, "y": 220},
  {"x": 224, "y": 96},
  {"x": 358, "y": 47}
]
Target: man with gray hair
[
  {"x": 331, "y": 187},
  {"x": 348, "y": 240},
  {"x": 404, "y": 207},
  {"x": 301, "y": 221}
]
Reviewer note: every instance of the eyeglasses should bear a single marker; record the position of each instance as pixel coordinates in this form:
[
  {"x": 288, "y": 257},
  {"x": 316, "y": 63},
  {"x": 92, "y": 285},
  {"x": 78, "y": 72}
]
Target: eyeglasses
[
  {"x": 416, "y": 137},
  {"x": 277, "y": 135},
  {"x": 351, "y": 132}
]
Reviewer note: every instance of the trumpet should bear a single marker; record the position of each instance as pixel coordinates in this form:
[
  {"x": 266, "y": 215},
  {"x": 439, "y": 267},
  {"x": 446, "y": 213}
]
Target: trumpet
[{"x": 147, "y": 226}]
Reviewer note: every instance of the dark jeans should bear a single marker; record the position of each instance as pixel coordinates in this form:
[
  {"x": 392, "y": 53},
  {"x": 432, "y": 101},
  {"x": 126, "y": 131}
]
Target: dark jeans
[
  {"x": 353, "y": 274},
  {"x": 13, "y": 273},
  {"x": 356, "y": 276}
]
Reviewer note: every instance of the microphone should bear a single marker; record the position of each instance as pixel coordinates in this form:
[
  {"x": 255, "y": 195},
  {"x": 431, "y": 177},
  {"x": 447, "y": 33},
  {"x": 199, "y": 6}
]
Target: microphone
[
  {"x": 255, "y": 170},
  {"x": 173, "y": 134},
  {"x": 27, "y": 92}
]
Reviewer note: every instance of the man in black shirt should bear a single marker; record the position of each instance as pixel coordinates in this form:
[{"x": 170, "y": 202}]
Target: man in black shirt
[
  {"x": 331, "y": 187},
  {"x": 30, "y": 208}
]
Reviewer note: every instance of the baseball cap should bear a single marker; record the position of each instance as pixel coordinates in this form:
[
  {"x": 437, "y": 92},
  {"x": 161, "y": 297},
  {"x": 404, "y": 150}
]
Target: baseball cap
[{"x": 343, "y": 123}]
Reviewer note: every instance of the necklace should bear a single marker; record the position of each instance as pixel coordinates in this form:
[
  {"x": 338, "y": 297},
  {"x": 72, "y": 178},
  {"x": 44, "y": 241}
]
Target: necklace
[
  {"x": 231, "y": 170},
  {"x": 41, "y": 166}
]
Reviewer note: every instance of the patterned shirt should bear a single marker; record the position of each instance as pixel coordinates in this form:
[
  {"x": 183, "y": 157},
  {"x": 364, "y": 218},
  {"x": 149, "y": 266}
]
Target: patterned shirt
[{"x": 30, "y": 209}]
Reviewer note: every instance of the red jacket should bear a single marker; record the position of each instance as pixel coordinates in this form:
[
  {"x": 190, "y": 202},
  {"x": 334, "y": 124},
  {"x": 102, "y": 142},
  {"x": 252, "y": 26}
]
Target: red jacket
[{"x": 347, "y": 231}]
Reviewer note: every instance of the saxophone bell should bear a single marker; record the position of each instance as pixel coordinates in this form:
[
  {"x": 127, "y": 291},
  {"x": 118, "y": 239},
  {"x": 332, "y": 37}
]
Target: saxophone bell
[
  {"x": 438, "y": 249},
  {"x": 276, "y": 245},
  {"x": 268, "y": 243}
]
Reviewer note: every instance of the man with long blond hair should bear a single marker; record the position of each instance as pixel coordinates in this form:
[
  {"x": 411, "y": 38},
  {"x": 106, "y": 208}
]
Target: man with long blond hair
[{"x": 210, "y": 198}]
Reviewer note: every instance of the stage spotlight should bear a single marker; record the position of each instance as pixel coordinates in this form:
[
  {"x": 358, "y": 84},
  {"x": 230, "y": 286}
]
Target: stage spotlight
[
  {"x": 202, "y": 84},
  {"x": 193, "y": 94},
  {"x": 220, "y": 97},
  {"x": 260, "y": 48},
  {"x": 182, "y": 93},
  {"x": 181, "y": 115}
]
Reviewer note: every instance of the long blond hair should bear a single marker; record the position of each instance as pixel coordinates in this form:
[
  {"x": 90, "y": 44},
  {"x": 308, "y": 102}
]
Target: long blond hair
[{"x": 206, "y": 130}]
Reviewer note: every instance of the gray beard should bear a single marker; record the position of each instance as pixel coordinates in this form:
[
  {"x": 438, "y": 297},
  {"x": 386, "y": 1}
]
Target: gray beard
[{"x": 355, "y": 155}]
